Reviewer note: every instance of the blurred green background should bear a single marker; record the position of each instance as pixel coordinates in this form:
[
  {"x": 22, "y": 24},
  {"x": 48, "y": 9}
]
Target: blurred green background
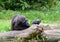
[{"x": 46, "y": 10}]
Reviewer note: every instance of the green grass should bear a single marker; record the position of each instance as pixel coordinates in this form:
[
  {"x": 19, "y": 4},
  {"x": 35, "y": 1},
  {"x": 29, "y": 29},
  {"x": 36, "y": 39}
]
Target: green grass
[
  {"x": 47, "y": 16},
  {"x": 4, "y": 25}
]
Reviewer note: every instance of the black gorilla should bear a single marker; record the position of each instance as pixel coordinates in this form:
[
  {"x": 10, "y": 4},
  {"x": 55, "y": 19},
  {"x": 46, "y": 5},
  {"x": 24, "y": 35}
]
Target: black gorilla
[
  {"x": 19, "y": 22},
  {"x": 37, "y": 21}
]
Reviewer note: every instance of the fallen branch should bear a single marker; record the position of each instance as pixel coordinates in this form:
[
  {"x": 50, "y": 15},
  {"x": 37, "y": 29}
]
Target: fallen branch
[
  {"x": 50, "y": 26},
  {"x": 52, "y": 32},
  {"x": 10, "y": 36},
  {"x": 52, "y": 35}
]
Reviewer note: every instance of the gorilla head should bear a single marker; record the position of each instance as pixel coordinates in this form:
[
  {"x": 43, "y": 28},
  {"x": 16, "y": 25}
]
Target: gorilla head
[
  {"x": 37, "y": 21},
  {"x": 19, "y": 22}
]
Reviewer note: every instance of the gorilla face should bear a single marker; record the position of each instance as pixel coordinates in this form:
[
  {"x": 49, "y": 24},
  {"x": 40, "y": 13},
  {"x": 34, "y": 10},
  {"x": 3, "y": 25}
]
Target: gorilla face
[{"x": 23, "y": 23}]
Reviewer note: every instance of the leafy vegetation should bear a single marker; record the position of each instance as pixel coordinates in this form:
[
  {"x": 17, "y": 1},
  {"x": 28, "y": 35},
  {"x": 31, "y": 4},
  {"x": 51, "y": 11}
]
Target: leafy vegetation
[{"x": 25, "y": 4}]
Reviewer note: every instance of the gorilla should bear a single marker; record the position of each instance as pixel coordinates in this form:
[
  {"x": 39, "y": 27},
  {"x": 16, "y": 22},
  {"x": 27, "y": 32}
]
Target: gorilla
[
  {"x": 37, "y": 21},
  {"x": 19, "y": 22}
]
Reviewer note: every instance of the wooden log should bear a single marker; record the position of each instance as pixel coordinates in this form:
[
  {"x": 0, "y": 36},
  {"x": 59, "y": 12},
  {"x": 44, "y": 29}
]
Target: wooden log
[
  {"x": 51, "y": 31},
  {"x": 52, "y": 35},
  {"x": 50, "y": 26},
  {"x": 10, "y": 36}
]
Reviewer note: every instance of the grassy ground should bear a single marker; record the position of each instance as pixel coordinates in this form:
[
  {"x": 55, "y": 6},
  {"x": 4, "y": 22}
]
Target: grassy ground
[
  {"x": 4, "y": 25},
  {"x": 47, "y": 16}
]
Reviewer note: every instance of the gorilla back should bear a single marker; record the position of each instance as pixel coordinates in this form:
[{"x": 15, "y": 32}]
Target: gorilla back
[{"x": 19, "y": 22}]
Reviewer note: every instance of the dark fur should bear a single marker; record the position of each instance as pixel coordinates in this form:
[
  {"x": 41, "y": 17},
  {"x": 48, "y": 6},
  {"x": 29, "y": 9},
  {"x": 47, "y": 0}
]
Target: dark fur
[
  {"x": 37, "y": 21},
  {"x": 19, "y": 23}
]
